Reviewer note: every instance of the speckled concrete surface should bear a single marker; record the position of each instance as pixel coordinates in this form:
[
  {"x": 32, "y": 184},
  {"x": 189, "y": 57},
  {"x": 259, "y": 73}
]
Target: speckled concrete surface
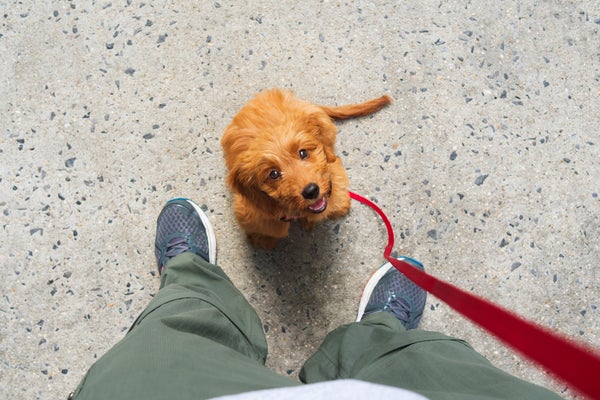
[{"x": 486, "y": 163}]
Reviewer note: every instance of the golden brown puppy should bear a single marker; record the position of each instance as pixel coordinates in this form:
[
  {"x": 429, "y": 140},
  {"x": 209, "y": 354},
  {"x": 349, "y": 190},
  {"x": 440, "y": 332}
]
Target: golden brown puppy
[{"x": 282, "y": 167}]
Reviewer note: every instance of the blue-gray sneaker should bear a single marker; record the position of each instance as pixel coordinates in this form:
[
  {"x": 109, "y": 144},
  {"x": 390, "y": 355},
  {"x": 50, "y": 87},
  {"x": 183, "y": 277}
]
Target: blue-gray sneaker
[
  {"x": 182, "y": 226},
  {"x": 390, "y": 291}
]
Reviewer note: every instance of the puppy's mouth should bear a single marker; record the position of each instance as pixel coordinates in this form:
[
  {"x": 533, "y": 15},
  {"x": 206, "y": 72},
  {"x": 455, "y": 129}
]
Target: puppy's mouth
[
  {"x": 318, "y": 206},
  {"x": 321, "y": 204}
]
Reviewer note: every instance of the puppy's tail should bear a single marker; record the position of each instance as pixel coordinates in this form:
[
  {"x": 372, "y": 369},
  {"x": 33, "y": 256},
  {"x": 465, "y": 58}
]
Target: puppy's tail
[{"x": 357, "y": 110}]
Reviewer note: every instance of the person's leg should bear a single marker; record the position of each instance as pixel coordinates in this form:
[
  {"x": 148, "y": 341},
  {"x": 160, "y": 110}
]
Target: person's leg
[
  {"x": 380, "y": 349},
  {"x": 197, "y": 338}
]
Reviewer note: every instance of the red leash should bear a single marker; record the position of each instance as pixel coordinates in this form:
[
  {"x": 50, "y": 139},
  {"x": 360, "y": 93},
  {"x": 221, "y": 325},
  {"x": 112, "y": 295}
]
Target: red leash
[{"x": 574, "y": 363}]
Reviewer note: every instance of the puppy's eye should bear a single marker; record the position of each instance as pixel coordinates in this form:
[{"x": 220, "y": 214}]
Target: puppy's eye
[
  {"x": 303, "y": 154},
  {"x": 274, "y": 174}
]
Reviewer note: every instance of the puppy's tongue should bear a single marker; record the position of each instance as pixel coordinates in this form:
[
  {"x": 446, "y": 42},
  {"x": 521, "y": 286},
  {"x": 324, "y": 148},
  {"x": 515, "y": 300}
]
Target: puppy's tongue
[{"x": 318, "y": 206}]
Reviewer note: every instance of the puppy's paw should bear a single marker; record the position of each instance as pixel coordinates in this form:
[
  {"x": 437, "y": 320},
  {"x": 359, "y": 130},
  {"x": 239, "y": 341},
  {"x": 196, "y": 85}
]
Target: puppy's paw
[
  {"x": 262, "y": 241},
  {"x": 308, "y": 224}
]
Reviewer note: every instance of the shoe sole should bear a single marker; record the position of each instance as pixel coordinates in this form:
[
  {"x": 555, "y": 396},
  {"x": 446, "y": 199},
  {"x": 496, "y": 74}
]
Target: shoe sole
[
  {"x": 374, "y": 280},
  {"x": 210, "y": 233}
]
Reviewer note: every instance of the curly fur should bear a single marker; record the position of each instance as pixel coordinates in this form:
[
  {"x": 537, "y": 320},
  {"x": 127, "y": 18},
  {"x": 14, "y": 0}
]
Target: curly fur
[{"x": 280, "y": 154}]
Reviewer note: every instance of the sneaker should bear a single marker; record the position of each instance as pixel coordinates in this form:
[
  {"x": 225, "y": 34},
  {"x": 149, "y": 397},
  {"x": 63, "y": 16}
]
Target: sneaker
[
  {"x": 182, "y": 226},
  {"x": 390, "y": 291}
]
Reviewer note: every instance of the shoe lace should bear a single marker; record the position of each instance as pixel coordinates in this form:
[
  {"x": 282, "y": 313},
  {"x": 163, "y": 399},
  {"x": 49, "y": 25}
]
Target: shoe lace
[
  {"x": 176, "y": 246},
  {"x": 400, "y": 307}
]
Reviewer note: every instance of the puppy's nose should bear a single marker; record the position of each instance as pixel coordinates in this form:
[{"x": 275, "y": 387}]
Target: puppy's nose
[{"x": 311, "y": 191}]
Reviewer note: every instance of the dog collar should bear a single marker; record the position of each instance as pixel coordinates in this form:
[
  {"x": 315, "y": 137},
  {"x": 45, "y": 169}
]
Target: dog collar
[{"x": 285, "y": 218}]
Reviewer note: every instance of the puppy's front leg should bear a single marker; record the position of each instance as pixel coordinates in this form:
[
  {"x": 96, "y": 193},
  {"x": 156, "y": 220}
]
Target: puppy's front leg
[
  {"x": 262, "y": 230},
  {"x": 339, "y": 202},
  {"x": 307, "y": 224},
  {"x": 266, "y": 233},
  {"x": 262, "y": 241}
]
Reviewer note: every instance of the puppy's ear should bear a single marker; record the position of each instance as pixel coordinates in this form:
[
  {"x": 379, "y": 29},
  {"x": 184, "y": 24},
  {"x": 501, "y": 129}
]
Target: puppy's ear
[
  {"x": 323, "y": 129},
  {"x": 246, "y": 185}
]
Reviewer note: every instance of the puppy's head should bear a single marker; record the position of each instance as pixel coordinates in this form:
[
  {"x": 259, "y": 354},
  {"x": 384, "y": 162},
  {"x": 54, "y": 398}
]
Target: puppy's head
[{"x": 277, "y": 150}]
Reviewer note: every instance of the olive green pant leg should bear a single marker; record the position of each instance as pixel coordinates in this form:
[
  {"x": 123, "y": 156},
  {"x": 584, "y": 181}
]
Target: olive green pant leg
[
  {"x": 379, "y": 350},
  {"x": 197, "y": 338}
]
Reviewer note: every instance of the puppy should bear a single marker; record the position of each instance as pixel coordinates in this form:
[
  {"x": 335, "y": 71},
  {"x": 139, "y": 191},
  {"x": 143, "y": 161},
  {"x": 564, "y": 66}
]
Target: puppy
[{"x": 279, "y": 151}]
